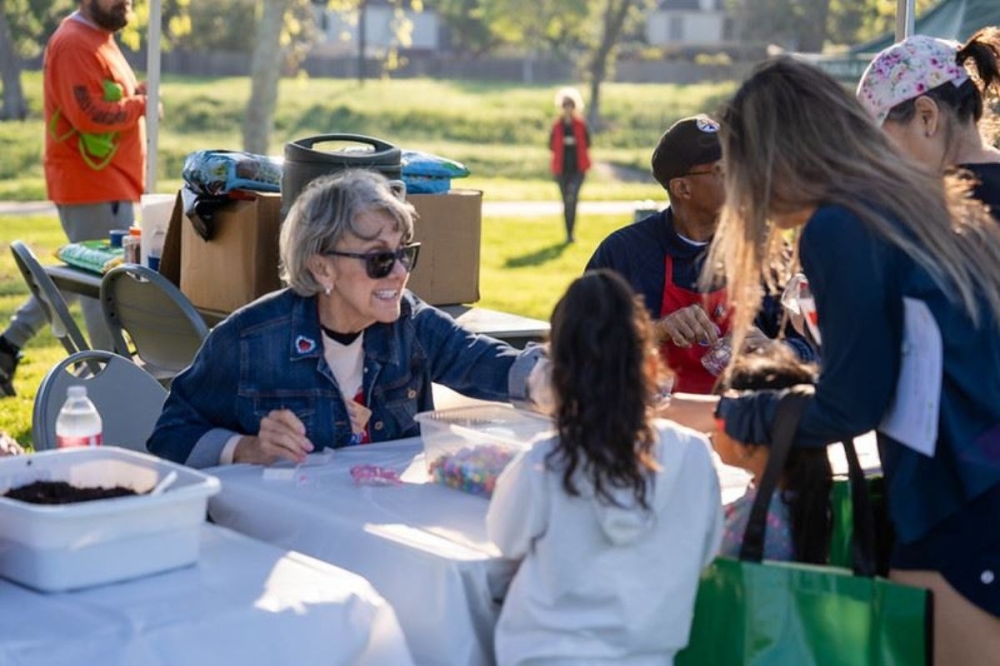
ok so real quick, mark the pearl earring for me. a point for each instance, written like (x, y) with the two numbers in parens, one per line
(327, 289)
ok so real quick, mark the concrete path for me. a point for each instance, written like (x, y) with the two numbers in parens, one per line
(27, 208)
(490, 208)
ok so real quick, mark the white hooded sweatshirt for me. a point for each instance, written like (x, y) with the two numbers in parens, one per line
(600, 584)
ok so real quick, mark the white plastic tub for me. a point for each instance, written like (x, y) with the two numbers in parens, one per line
(53, 548)
(467, 447)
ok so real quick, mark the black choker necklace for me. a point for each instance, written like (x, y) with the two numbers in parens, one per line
(343, 338)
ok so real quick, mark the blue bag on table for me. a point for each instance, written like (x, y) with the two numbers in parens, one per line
(217, 172)
(425, 173)
(213, 178)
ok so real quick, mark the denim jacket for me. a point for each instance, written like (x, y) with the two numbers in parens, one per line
(269, 355)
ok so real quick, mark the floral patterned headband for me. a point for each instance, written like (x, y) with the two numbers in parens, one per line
(906, 70)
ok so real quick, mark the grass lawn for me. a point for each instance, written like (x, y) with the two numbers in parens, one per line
(525, 267)
(499, 130)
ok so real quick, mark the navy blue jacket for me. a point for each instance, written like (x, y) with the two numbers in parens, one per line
(987, 189)
(269, 355)
(859, 281)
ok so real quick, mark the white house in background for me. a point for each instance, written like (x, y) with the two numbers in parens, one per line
(689, 23)
(339, 32)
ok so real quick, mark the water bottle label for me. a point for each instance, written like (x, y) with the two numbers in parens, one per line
(65, 442)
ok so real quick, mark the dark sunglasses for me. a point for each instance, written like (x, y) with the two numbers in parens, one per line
(380, 263)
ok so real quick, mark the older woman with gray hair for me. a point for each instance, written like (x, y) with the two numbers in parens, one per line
(343, 356)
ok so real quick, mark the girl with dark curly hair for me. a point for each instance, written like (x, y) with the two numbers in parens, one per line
(615, 514)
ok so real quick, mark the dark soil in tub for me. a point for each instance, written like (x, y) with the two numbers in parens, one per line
(60, 492)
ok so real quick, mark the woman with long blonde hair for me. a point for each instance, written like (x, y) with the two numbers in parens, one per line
(877, 235)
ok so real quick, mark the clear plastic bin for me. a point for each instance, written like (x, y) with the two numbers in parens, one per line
(467, 447)
(61, 547)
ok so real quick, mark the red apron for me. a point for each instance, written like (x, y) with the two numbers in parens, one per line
(691, 375)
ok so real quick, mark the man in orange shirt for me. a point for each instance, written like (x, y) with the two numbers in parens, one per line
(95, 150)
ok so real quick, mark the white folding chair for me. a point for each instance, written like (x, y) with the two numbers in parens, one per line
(128, 398)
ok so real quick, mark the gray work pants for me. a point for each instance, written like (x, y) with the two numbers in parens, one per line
(80, 222)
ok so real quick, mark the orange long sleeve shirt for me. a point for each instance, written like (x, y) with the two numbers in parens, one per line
(79, 59)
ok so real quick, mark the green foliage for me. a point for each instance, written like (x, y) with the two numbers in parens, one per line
(880, 18)
(847, 22)
(175, 22)
(33, 21)
(469, 32)
(223, 25)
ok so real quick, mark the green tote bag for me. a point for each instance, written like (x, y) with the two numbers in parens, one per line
(750, 612)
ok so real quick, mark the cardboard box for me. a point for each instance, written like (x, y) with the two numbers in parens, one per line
(240, 262)
(449, 228)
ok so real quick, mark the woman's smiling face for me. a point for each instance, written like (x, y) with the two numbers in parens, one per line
(356, 300)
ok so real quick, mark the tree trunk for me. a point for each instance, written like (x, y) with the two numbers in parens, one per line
(14, 106)
(265, 73)
(615, 13)
(812, 36)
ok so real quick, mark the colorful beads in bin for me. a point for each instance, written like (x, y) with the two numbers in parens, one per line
(472, 469)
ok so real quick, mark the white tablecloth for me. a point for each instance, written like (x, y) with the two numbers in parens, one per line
(244, 603)
(422, 546)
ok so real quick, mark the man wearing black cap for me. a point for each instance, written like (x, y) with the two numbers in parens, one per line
(663, 254)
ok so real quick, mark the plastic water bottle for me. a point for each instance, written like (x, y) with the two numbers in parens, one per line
(79, 423)
(156, 244)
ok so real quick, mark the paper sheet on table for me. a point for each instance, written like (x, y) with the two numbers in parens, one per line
(286, 470)
(912, 418)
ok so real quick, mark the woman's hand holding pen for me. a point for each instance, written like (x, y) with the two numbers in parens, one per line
(282, 436)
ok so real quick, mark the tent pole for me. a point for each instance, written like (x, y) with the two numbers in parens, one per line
(905, 11)
(152, 92)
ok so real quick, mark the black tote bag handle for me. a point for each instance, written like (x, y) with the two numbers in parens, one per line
(786, 423)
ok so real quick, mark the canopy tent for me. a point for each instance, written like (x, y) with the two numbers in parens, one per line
(905, 10)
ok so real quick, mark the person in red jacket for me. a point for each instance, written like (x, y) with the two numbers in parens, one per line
(569, 142)
(95, 150)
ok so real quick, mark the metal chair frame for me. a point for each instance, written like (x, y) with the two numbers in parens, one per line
(164, 330)
(53, 304)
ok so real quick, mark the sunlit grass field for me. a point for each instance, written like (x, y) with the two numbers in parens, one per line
(500, 131)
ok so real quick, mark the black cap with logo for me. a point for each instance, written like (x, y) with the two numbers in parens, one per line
(688, 142)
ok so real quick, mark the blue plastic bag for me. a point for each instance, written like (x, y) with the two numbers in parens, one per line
(425, 173)
(417, 163)
(217, 172)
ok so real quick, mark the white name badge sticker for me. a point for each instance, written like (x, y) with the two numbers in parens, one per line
(912, 418)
